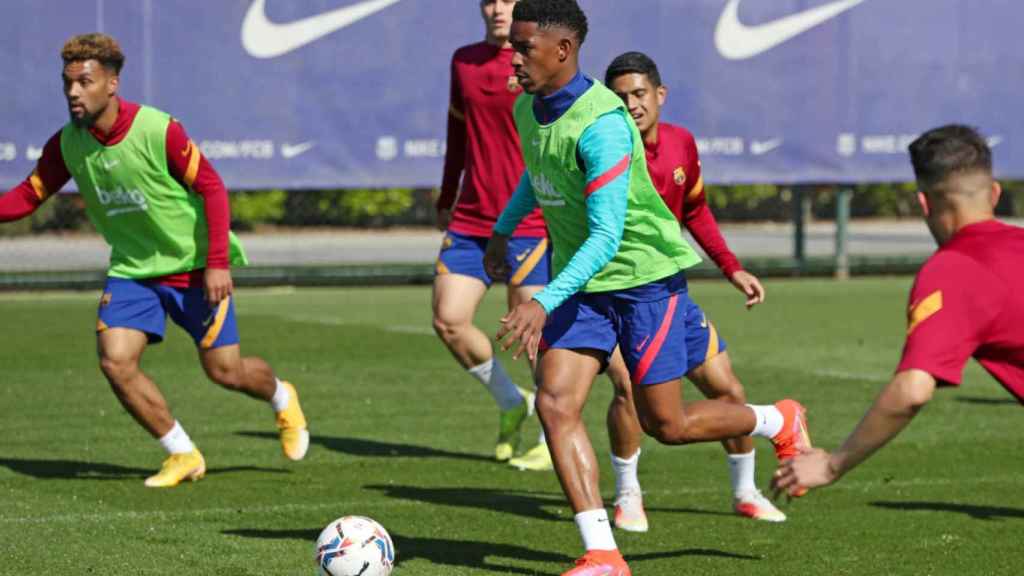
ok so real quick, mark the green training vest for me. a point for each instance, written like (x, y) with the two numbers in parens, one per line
(153, 224)
(652, 244)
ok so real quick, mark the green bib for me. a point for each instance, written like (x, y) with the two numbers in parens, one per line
(154, 225)
(652, 244)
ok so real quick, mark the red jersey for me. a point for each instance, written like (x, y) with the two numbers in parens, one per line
(675, 171)
(483, 143)
(966, 302)
(184, 162)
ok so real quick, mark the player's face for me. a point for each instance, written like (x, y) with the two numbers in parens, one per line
(497, 17)
(540, 56)
(88, 87)
(641, 98)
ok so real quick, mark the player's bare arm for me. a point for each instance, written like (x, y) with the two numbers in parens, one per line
(894, 408)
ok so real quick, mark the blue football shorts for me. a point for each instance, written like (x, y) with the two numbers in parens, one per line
(528, 257)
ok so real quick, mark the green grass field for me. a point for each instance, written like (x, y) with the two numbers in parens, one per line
(401, 435)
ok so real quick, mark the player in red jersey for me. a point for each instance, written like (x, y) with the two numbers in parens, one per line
(164, 211)
(675, 170)
(483, 149)
(966, 301)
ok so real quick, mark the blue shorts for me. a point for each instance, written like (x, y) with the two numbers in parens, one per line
(144, 306)
(662, 334)
(528, 257)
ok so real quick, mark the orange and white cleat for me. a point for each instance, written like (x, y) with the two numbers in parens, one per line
(292, 424)
(600, 563)
(177, 467)
(794, 436)
(755, 506)
(629, 511)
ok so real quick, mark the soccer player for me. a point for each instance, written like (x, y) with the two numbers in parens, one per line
(675, 171)
(618, 262)
(966, 301)
(483, 145)
(164, 211)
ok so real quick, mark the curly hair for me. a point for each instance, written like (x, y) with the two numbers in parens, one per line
(95, 46)
(547, 13)
(633, 63)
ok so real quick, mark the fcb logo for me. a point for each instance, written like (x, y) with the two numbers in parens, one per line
(679, 176)
(105, 300)
(513, 83)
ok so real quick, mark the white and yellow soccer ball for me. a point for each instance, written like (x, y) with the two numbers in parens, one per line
(354, 546)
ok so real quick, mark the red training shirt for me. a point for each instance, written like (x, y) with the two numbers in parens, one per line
(674, 167)
(967, 301)
(184, 161)
(483, 143)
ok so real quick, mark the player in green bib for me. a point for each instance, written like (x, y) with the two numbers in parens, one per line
(618, 265)
(164, 211)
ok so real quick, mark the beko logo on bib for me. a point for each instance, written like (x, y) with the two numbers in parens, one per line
(737, 41)
(262, 38)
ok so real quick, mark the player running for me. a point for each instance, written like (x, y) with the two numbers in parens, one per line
(966, 301)
(675, 171)
(618, 260)
(164, 211)
(483, 145)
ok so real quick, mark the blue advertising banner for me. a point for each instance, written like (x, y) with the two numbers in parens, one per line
(353, 93)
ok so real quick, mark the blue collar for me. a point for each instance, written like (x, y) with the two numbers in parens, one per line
(547, 109)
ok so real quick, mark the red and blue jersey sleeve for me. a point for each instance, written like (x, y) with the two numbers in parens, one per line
(49, 176)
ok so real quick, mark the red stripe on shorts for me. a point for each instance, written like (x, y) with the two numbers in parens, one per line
(659, 338)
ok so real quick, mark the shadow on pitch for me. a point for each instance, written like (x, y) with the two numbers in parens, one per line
(528, 504)
(456, 553)
(75, 470)
(986, 401)
(364, 447)
(977, 512)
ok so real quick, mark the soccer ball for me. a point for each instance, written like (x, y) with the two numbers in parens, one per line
(354, 546)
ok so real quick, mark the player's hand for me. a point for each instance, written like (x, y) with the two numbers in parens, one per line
(524, 324)
(494, 258)
(444, 218)
(809, 469)
(750, 286)
(217, 285)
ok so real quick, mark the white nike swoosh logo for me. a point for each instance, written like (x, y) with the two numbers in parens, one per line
(994, 141)
(758, 148)
(293, 150)
(737, 41)
(262, 38)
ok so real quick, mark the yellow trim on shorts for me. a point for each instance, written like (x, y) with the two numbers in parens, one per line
(530, 263)
(218, 323)
(440, 268)
(712, 343)
(101, 325)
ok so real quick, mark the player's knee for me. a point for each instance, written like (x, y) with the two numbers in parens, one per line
(118, 370)
(230, 377)
(556, 410)
(446, 329)
(671, 431)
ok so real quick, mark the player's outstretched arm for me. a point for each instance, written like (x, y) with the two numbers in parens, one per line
(894, 408)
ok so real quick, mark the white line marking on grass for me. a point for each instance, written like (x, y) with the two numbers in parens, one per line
(415, 329)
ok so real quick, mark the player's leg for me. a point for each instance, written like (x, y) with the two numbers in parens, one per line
(131, 316)
(529, 259)
(215, 332)
(625, 436)
(459, 285)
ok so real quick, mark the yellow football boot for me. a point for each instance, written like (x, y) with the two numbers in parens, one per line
(292, 424)
(178, 467)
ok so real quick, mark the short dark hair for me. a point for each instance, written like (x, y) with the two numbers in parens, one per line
(96, 46)
(547, 13)
(632, 63)
(947, 151)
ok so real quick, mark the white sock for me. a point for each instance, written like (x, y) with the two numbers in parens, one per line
(497, 382)
(741, 472)
(625, 472)
(281, 396)
(596, 530)
(769, 421)
(541, 438)
(177, 441)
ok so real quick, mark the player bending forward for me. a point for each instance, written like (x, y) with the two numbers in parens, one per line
(164, 211)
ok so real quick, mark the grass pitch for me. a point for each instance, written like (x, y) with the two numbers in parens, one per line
(400, 434)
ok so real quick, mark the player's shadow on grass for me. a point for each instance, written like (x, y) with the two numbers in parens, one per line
(527, 504)
(75, 470)
(974, 511)
(364, 447)
(455, 553)
(986, 401)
